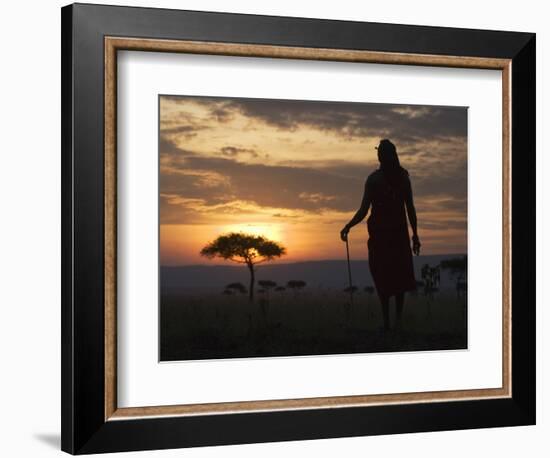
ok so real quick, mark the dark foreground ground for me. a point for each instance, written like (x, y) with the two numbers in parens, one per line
(202, 326)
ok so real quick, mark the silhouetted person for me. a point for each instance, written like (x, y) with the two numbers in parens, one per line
(388, 191)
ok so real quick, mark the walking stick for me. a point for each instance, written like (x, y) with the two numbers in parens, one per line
(349, 273)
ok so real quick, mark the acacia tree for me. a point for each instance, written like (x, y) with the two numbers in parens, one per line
(247, 249)
(236, 287)
(457, 266)
(268, 285)
(296, 285)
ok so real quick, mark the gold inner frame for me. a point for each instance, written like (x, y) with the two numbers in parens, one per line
(114, 44)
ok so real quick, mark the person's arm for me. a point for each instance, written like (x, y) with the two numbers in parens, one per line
(359, 215)
(411, 213)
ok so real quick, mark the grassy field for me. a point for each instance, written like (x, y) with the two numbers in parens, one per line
(200, 325)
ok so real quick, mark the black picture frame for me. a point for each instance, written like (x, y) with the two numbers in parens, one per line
(84, 427)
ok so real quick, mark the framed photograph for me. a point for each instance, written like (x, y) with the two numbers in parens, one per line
(283, 228)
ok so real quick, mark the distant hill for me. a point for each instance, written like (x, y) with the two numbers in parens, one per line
(317, 274)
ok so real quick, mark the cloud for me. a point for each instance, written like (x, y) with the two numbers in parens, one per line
(397, 122)
(233, 151)
(312, 188)
(402, 123)
(185, 130)
(411, 111)
(266, 185)
(316, 197)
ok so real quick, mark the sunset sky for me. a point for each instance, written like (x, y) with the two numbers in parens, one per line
(294, 171)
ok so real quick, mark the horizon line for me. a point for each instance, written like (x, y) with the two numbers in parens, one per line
(230, 264)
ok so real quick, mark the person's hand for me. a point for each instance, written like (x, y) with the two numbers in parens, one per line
(344, 234)
(416, 245)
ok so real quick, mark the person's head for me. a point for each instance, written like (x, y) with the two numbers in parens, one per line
(387, 155)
